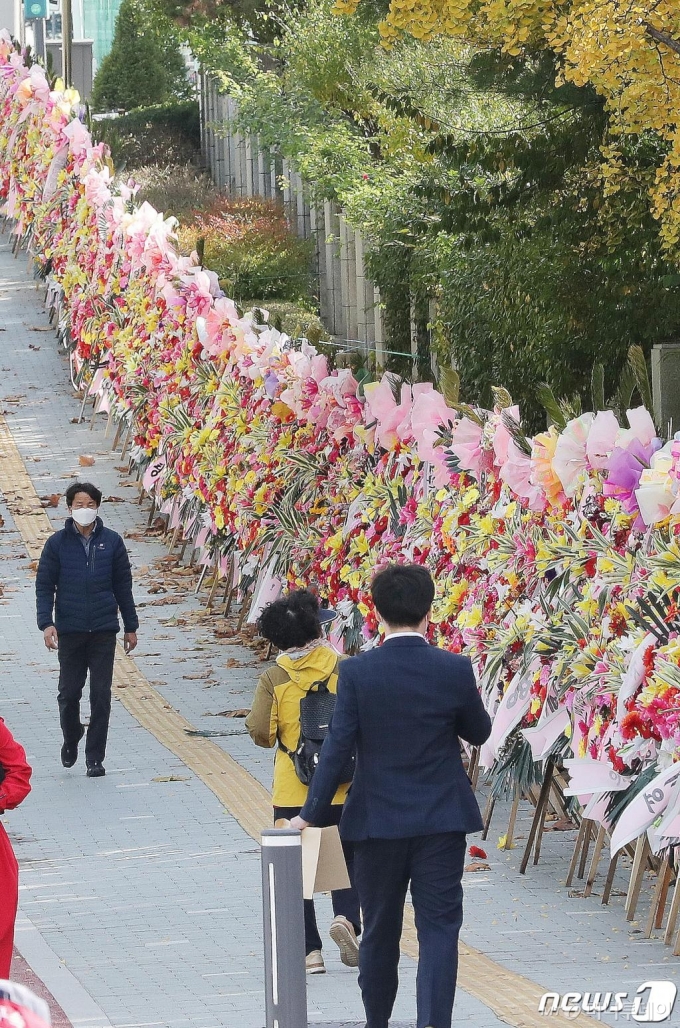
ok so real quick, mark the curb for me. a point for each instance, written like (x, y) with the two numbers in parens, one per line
(43, 971)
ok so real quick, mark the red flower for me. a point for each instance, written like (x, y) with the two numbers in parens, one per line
(632, 725)
(475, 851)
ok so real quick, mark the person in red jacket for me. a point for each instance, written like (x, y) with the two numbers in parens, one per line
(15, 776)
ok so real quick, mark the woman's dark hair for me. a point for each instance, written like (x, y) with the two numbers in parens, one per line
(83, 487)
(292, 621)
(403, 594)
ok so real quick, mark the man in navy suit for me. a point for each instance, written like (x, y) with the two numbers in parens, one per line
(403, 708)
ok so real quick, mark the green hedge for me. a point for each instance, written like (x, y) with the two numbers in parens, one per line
(163, 134)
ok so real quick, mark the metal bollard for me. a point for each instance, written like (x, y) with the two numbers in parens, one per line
(284, 929)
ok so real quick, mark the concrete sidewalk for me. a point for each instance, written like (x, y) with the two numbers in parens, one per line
(140, 902)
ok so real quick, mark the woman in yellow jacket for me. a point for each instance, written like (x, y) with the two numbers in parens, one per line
(293, 625)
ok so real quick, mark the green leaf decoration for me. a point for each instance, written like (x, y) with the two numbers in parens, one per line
(449, 383)
(621, 400)
(466, 411)
(547, 400)
(515, 429)
(501, 397)
(638, 364)
(597, 387)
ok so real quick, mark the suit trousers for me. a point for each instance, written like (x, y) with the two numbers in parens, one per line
(80, 652)
(383, 870)
(345, 901)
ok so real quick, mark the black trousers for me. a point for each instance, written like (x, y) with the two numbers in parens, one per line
(80, 652)
(345, 901)
(383, 869)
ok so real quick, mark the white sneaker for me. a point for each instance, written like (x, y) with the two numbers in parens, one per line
(314, 962)
(343, 935)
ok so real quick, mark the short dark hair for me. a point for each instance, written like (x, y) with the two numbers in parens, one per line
(83, 487)
(292, 621)
(403, 594)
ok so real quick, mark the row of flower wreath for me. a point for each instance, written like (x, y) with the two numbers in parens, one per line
(555, 557)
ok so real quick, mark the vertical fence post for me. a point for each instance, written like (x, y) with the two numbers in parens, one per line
(284, 929)
(380, 350)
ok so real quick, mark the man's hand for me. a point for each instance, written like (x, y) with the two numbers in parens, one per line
(297, 822)
(51, 638)
(129, 641)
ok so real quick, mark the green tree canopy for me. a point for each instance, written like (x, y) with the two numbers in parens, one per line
(145, 65)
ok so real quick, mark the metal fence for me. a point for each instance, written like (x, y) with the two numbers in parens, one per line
(349, 302)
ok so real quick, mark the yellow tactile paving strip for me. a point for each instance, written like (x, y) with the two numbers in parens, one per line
(513, 998)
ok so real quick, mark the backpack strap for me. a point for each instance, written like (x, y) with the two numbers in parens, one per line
(322, 686)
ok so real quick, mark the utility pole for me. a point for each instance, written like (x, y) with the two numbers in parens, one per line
(39, 40)
(67, 43)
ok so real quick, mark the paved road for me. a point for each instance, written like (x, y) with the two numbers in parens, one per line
(140, 901)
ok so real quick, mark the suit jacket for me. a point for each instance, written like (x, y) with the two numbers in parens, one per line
(402, 708)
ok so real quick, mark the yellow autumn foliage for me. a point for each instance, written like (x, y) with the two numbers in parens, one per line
(627, 50)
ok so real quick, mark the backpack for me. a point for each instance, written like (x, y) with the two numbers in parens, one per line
(316, 709)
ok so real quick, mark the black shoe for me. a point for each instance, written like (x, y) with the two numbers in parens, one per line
(95, 770)
(69, 754)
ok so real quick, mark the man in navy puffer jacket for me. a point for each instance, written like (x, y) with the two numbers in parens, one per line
(86, 566)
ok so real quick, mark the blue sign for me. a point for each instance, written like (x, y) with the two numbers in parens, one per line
(35, 9)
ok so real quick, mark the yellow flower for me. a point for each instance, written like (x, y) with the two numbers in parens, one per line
(469, 618)
(360, 543)
(334, 543)
(486, 525)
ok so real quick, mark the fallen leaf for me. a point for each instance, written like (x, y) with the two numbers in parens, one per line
(477, 865)
(157, 589)
(196, 676)
(232, 662)
(214, 735)
(562, 825)
(171, 778)
(50, 501)
(39, 328)
(86, 460)
(114, 499)
(242, 712)
(32, 347)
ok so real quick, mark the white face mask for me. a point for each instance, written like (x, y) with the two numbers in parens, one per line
(84, 516)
